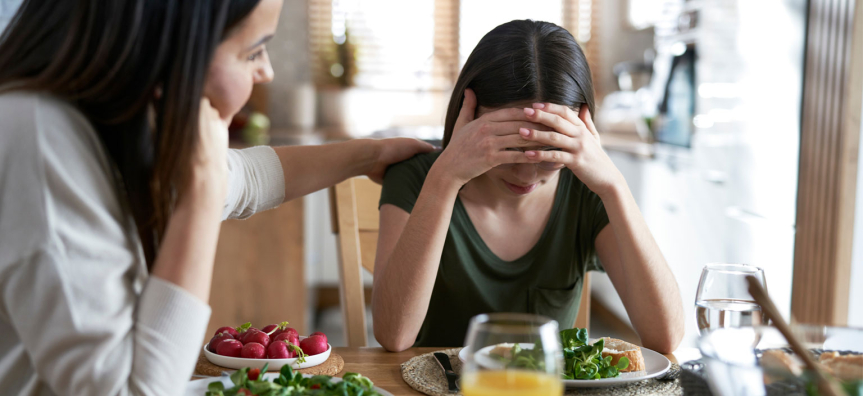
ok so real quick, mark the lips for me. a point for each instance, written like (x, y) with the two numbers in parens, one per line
(521, 190)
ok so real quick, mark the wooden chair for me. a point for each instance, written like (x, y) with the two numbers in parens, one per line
(355, 220)
(583, 318)
(355, 216)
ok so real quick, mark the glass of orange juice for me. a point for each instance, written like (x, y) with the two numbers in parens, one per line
(512, 354)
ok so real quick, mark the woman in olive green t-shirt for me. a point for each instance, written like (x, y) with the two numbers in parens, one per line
(517, 207)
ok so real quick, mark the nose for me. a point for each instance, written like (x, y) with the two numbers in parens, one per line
(524, 172)
(264, 73)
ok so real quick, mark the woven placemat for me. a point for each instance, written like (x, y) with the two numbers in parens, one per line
(424, 375)
(332, 366)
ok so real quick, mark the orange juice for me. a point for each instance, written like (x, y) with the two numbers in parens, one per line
(511, 382)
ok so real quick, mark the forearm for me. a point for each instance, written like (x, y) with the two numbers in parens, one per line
(188, 248)
(310, 168)
(651, 294)
(404, 284)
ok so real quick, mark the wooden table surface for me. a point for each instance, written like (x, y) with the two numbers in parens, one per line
(383, 367)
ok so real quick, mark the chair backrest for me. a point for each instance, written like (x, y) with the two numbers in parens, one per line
(583, 318)
(355, 218)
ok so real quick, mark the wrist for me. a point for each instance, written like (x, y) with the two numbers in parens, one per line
(364, 154)
(442, 180)
(616, 193)
(204, 193)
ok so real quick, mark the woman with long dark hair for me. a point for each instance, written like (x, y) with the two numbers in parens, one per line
(115, 176)
(517, 207)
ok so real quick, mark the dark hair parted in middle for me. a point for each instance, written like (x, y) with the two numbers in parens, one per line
(519, 61)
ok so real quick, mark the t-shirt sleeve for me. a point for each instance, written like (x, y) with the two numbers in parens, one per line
(597, 221)
(404, 181)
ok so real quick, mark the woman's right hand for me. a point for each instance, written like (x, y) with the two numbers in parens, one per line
(208, 160)
(479, 144)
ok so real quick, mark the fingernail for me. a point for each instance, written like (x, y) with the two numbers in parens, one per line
(539, 105)
(529, 112)
(524, 132)
(530, 153)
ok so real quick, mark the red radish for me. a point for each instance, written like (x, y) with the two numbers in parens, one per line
(253, 350)
(279, 329)
(314, 345)
(217, 339)
(230, 330)
(257, 336)
(245, 392)
(231, 348)
(287, 337)
(243, 329)
(318, 333)
(268, 328)
(279, 350)
(285, 350)
(254, 374)
(291, 330)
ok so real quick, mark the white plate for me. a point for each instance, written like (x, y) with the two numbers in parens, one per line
(199, 387)
(275, 364)
(655, 365)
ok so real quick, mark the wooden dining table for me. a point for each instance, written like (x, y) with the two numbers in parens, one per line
(384, 368)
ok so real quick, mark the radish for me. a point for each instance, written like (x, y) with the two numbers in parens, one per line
(253, 350)
(269, 328)
(231, 348)
(243, 330)
(318, 333)
(230, 330)
(287, 337)
(278, 329)
(314, 345)
(217, 339)
(285, 350)
(287, 330)
(256, 336)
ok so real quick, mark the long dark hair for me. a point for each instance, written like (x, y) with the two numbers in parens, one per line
(108, 58)
(520, 61)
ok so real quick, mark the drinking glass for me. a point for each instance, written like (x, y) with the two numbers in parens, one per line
(535, 370)
(723, 300)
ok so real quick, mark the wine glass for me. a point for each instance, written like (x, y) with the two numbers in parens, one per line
(512, 354)
(723, 300)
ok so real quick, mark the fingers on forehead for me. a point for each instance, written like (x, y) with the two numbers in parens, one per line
(564, 111)
(508, 114)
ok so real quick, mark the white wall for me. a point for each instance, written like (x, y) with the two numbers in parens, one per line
(855, 308)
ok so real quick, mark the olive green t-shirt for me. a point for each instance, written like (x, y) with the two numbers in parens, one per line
(472, 280)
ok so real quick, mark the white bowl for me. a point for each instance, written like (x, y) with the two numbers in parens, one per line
(275, 364)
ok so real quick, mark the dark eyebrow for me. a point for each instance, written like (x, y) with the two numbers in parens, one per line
(261, 41)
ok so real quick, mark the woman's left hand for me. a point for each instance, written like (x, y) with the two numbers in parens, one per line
(577, 137)
(393, 150)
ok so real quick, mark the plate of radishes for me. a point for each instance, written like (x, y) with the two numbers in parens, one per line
(276, 345)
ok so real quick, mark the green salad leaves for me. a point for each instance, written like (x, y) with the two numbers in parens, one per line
(290, 383)
(582, 361)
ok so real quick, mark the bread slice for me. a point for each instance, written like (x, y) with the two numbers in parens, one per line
(619, 348)
(844, 367)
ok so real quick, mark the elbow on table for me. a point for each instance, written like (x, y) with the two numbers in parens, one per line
(666, 341)
(391, 342)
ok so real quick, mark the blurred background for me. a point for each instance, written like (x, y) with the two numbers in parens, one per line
(700, 105)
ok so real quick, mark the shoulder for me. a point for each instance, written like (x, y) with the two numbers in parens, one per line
(404, 181)
(418, 165)
(32, 121)
(55, 171)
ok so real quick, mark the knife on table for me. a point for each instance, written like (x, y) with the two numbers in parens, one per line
(451, 376)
